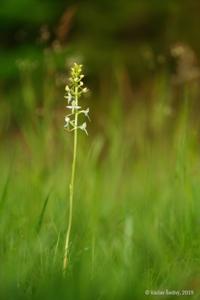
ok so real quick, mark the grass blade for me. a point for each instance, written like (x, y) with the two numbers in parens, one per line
(41, 217)
(5, 191)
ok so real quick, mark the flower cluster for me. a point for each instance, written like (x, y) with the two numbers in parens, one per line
(74, 91)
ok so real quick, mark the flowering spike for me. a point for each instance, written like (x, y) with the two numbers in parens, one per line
(74, 89)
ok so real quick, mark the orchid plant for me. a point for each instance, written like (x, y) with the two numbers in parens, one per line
(74, 91)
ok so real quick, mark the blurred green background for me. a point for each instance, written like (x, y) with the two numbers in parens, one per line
(136, 210)
(124, 46)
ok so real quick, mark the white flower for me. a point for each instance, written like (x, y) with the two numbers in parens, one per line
(86, 112)
(68, 97)
(67, 121)
(83, 127)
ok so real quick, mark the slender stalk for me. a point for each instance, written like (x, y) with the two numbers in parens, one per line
(74, 90)
(71, 188)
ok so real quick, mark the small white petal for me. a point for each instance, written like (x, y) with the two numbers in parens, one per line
(67, 89)
(73, 107)
(69, 98)
(67, 119)
(85, 90)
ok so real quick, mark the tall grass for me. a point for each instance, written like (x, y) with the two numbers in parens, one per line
(136, 224)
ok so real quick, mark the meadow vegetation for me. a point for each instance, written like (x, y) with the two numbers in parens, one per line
(136, 197)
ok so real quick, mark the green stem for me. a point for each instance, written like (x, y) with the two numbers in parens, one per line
(71, 189)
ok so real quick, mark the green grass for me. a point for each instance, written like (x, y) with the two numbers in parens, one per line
(136, 211)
